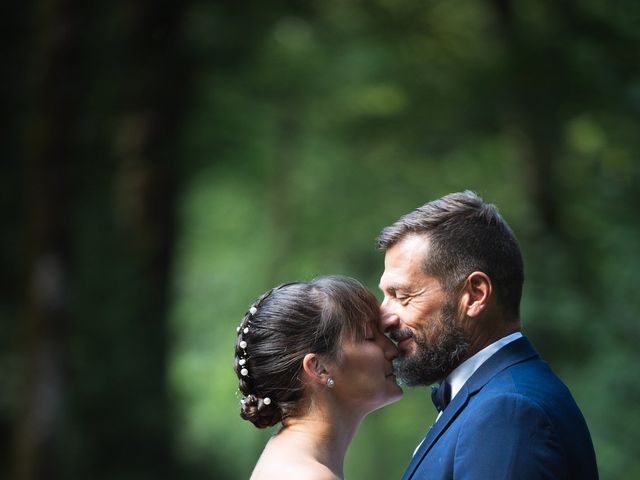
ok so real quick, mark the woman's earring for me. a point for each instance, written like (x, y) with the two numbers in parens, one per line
(331, 382)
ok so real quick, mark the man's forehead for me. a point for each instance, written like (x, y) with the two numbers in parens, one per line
(403, 263)
(393, 279)
(400, 277)
(410, 249)
(407, 253)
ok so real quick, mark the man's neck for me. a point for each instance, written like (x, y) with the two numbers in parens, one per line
(484, 338)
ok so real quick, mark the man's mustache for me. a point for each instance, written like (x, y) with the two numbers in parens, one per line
(400, 334)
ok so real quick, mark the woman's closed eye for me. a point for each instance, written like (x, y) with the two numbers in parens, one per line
(369, 332)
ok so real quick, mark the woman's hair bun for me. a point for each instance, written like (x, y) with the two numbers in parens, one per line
(261, 412)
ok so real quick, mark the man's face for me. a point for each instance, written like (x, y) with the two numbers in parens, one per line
(419, 315)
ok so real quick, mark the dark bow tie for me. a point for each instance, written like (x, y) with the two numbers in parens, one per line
(441, 395)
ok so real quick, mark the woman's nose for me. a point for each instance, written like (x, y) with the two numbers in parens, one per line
(390, 350)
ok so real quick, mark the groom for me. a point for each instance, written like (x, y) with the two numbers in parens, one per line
(452, 284)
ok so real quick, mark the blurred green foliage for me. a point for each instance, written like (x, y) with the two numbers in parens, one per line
(297, 132)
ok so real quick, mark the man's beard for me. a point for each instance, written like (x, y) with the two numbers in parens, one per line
(433, 360)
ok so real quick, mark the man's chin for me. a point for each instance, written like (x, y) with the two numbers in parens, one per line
(412, 371)
(408, 372)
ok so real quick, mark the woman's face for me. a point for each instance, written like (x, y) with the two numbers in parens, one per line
(364, 378)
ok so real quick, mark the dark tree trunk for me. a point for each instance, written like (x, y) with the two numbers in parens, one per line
(533, 111)
(53, 83)
(100, 228)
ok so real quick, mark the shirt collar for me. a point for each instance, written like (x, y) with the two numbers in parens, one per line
(463, 372)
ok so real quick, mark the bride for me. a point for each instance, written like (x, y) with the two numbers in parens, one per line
(310, 356)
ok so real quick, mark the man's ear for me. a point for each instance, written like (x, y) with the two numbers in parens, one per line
(476, 293)
(316, 368)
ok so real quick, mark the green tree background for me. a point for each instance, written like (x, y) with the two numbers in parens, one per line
(166, 162)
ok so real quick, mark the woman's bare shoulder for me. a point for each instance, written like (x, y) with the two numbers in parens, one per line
(286, 458)
(271, 468)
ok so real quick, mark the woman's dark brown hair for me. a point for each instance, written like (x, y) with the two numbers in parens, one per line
(281, 327)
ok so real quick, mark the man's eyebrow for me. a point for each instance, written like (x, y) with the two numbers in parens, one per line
(391, 288)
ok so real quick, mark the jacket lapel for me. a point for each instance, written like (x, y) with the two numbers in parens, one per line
(436, 430)
(515, 352)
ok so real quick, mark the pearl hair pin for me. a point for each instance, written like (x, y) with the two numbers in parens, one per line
(242, 361)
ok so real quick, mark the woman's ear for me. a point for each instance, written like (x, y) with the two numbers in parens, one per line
(476, 293)
(315, 366)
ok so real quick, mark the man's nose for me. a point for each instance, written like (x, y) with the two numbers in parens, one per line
(388, 318)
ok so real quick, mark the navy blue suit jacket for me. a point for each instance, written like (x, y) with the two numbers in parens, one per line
(513, 419)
